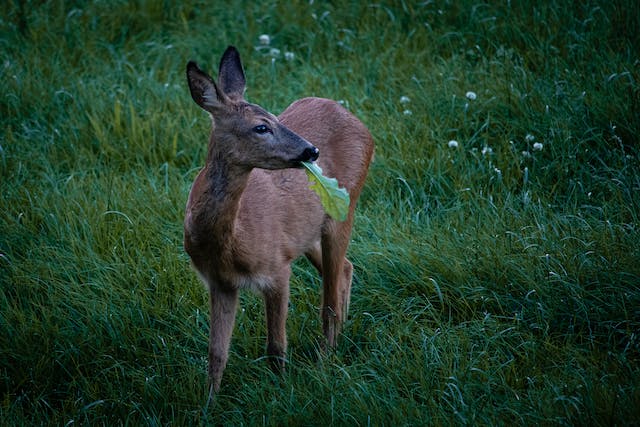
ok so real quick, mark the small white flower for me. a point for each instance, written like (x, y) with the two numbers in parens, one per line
(487, 150)
(537, 146)
(404, 100)
(529, 138)
(471, 95)
(274, 52)
(407, 112)
(264, 39)
(289, 56)
(453, 144)
(526, 154)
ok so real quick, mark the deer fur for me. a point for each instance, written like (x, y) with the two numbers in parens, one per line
(250, 212)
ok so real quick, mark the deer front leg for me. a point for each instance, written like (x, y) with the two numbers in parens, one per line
(276, 306)
(223, 313)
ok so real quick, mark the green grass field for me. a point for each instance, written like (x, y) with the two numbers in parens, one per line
(496, 282)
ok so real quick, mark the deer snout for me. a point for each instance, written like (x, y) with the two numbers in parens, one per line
(310, 154)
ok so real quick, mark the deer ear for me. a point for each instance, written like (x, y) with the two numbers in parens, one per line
(203, 90)
(231, 76)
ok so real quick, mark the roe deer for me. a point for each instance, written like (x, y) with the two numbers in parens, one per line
(250, 211)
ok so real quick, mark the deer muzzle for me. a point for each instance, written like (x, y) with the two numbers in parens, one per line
(310, 154)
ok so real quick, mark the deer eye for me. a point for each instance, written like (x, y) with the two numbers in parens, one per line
(261, 129)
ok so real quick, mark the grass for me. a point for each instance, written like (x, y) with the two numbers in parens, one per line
(496, 283)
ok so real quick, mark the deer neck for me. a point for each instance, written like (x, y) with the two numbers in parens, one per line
(225, 183)
(215, 210)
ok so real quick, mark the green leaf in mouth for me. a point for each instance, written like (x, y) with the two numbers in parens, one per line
(334, 200)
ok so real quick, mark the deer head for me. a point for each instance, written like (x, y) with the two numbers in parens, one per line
(247, 135)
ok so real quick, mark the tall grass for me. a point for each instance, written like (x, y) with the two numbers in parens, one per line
(496, 282)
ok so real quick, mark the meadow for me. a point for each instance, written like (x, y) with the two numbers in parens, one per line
(496, 243)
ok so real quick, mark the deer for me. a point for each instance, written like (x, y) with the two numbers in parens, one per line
(250, 212)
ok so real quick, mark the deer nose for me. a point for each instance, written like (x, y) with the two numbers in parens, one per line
(310, 154)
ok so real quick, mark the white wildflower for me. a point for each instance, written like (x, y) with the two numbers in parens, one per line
(471, 95)
(453, 144)
(529, 138)
(404, 100)
(264, 39)
(289, 56)
(487, 150)
(537, 146)
(407, 112)
(273, 52)
(526, 154)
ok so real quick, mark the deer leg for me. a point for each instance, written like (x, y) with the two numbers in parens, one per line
(336, 287)
(346, 288)
(315, 257)
(276, 306)
(223, 314)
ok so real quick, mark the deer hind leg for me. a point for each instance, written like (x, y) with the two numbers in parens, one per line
(347, 277)
(315, 257)
(336, 278)
(276, 306)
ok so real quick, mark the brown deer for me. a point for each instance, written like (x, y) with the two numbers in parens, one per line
(250, 211)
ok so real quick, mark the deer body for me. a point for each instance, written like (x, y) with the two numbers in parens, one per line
(250, 211)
